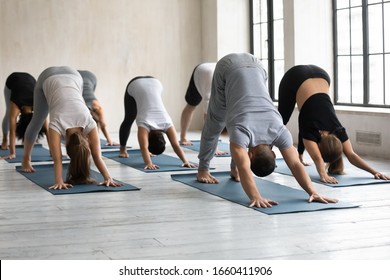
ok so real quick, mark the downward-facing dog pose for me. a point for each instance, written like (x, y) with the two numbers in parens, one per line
(143, 103)
(19, 96)
(198, 90)
(93, 104)
(58, 92)
(240, 100)
(320, 131)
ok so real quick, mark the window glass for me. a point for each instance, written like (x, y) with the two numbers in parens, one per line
(376, 85)
(362, 46)
(343, 29)
(356, 31)
(375, 42)
(344, 79)
(268, 39)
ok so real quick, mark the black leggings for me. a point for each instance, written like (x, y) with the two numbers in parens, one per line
(130, 115)
(290, 84)
(193, 97)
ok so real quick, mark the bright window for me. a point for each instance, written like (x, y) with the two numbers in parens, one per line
(362, 52)
(268, 39)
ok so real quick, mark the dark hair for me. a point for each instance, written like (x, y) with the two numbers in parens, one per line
(156, 142)
(331, 150)
(21, 126)
(262, 161)
(79, 171)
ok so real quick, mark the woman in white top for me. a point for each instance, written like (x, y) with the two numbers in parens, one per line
(198, 90)
(143, 103)
(58, 92)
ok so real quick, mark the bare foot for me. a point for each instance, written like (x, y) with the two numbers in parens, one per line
(205, 177)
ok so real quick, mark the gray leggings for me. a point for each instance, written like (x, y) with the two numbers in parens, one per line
(7, 97)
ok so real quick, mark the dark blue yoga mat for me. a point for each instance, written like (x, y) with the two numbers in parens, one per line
(225, 147)
(351, 178)
(103, 145)
(39, 153)
(135, 160)
(44, 177)
(290, 200)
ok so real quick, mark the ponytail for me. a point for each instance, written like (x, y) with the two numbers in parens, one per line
(331, 150)
(79, 171)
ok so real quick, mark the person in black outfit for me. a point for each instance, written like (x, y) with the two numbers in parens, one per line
(320, 131)
(18, 95)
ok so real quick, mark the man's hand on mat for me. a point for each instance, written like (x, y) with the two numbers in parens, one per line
(381, 176)
(318, 198)
(220, 153)
(262, 202)
(110, 183)
(152, 166)
(185, 142)
(10, 156)
(329, 179)
(204, 176)
(61, 186)
(189, 165)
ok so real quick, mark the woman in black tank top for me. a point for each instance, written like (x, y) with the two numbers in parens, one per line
(320, 131)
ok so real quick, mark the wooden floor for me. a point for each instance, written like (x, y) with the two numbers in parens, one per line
(168, 220)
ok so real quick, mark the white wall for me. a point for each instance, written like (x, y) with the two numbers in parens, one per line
(209, 30)
(116, 39)
(225, 28)
(233, 27)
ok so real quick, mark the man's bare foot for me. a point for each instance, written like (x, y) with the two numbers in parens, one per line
(206, 177)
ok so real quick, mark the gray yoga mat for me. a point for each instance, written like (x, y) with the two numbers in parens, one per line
(290, 200)
(44, 177)
(135, 160)
(221, 146)
(39, 153)
(355, 178)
